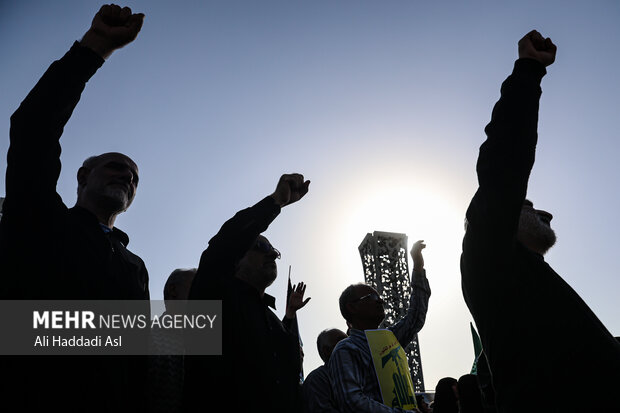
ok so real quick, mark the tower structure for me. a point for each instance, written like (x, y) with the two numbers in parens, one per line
(384, 259)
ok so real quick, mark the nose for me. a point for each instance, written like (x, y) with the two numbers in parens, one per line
(544, 215)
(127, 176)
(274, 253)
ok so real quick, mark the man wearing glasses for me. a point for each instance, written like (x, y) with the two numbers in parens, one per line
(261, 361)
(351, 370)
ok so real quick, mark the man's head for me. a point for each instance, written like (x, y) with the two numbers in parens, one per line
(361, 306)
(107, 183)
(327, 340)
(177, 288)
(258, 266)
(535, 228)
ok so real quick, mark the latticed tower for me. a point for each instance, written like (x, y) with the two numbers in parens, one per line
(384, 258)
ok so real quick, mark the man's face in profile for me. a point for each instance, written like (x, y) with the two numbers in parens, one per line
(368, 305)
(258, 265)
(112, 181)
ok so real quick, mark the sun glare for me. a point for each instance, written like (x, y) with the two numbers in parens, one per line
(420, 213)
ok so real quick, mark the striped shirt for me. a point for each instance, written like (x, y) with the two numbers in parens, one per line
(351, 370)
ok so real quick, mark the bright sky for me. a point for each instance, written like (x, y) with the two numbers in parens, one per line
(381, 105)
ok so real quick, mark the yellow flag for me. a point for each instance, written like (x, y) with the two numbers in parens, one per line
(392, 369)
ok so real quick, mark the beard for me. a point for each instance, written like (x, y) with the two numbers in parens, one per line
(534, 233)
(115, 197)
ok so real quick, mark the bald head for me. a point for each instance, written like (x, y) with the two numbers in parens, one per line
(107, 185)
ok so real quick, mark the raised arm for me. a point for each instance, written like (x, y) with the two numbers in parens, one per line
(238, 234)
(507, 156)
(414, 320)
(33, 161)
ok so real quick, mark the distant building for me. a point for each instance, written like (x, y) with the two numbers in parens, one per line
(384, 258)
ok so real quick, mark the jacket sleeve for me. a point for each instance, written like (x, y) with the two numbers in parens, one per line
(412, 323)
(229, 245)
(504, 164)
(33, 161)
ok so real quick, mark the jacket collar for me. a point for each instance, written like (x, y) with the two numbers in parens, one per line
(88, 218)
(269, 300)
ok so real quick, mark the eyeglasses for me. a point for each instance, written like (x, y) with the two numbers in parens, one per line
(266, 247)
(371, 296)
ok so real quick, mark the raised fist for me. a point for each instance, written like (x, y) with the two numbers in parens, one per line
(112, 28)
(534, 46)
(416, 255)
(291, 188)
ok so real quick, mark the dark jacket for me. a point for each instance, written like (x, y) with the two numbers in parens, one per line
(48, 251)
(541, 339)
(261, 361)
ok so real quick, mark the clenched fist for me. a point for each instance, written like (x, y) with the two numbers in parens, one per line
(416, 255)
(291, 188)
(534, 46)
(112, 28)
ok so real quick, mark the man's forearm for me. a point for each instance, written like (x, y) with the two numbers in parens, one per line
(507, 156)
(38, 123)
(231, 243)
(238, 233)
(415, 318)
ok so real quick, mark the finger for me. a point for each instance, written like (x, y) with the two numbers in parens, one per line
(305, 301)
(134, 24)
(124, 14)
(535, 36)
(527, 37)
(297, 177)
(110, 11)
(110, 15)
(305, 187)
(295, 180)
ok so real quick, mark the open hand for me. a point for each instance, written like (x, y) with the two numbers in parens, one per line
(296, 300)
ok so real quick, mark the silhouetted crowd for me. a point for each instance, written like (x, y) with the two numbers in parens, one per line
(538, 336)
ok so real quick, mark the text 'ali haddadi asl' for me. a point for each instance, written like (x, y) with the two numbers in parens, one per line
(75, 341)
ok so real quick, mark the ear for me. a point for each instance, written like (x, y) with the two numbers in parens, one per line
(350, 307)
(82, 176)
